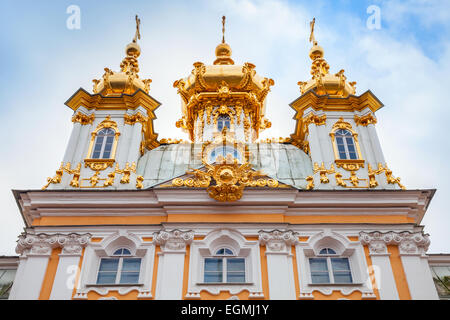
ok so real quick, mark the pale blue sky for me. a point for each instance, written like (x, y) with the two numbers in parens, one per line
(406, 65)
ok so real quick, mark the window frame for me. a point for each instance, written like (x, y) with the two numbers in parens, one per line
(105, 124)
(121, 257)
(330, 270)
(345, 144)
(225, 258)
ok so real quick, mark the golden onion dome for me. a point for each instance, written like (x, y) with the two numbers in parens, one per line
(125, 81)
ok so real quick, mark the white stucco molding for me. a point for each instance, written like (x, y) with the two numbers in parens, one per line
(97, 250)
(243, 248)
(42, 244)
(173, 241)
(409, 243)
(277, 241)
(353, 250)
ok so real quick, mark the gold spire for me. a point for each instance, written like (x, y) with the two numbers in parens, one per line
(223, 50)
(322, 82)
(127, 80)
(223, 29)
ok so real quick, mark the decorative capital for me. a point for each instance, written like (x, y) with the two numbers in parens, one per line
(277, 240)
(175, 240)
(83, 119)
(408, 243)
(42, 244)
(71, 244)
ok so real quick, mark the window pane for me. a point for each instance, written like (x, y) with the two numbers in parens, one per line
(109, 265)
(129, 277)
(318, 264)
(118, 252)
(133, 264)
(340, 264)
(351, 147)
(212, 264)
(353, 155)
(342, 277)
(106, 277)
(220, 252)
(320, 278)
(236, 277)
(213, 277)
(236, 265)
(228, 252)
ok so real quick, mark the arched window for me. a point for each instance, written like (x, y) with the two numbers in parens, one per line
(328, 267)
(120, 268)
(103, 144)
(223, 121)
(224, 267)
(345, 145)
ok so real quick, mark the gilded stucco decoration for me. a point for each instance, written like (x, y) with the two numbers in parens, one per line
(83, 119)
(224, 88)
(225, 176)
(365, 120)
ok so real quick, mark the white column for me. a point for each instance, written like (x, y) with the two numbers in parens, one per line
(36, 249)
(279, 263)
(169, 285)
(17, 282)
(70, 151)
(135, 143)
(418, 276)
(378, 153)
(69, 258)
(381, 263)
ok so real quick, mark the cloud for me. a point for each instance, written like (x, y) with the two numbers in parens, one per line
(44, 72)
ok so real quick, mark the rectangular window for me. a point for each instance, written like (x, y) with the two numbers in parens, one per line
(119, 270)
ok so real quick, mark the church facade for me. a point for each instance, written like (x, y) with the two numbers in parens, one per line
(224, 215)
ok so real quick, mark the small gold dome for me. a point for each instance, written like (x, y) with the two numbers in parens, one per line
(133, 50)
(223, 54)
(316, 52)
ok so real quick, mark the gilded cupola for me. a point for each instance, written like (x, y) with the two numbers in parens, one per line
(323, 82)
(223, 95)
(127, 79)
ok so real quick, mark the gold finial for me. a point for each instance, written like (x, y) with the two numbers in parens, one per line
(138, 33)
(223, 29)
(311, 37)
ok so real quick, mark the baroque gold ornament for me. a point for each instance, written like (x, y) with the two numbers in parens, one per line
(229, 177)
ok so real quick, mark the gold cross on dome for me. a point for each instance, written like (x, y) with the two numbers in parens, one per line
(138, 33)
(223, 29)
(311, 37)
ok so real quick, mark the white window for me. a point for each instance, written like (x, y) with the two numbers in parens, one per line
(328, 267)
(121, 268)
(345, 145)
(103, 144)
(224, 267)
